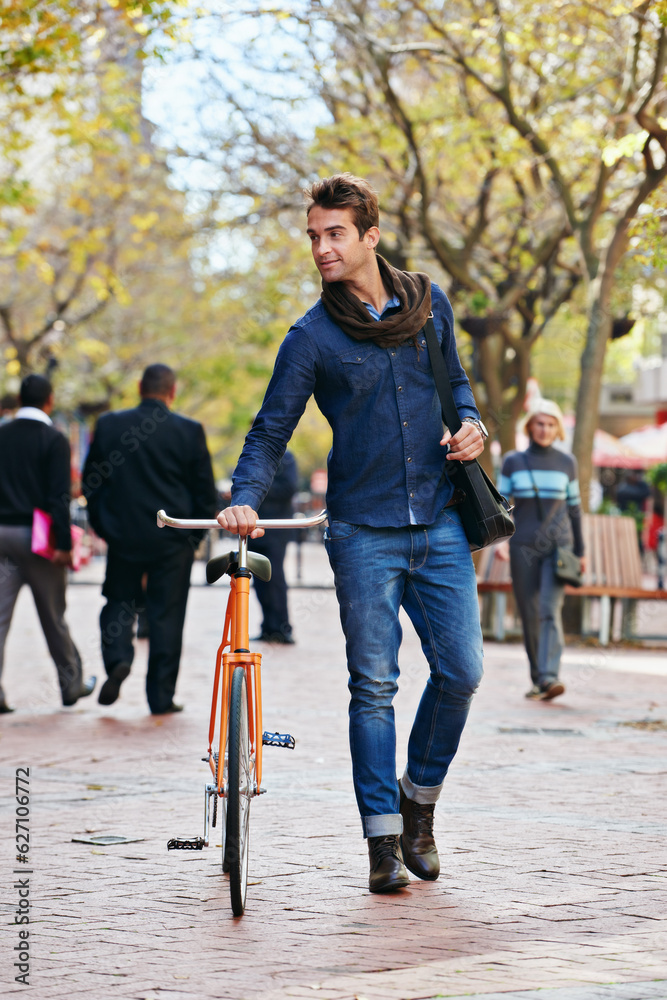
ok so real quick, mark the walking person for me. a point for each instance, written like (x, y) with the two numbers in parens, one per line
(140, 461)
(543, 482)
(395, 538)
(35, 473)
(272, 596)
(9, 404)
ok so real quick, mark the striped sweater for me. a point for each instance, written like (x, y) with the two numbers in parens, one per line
(554, 473)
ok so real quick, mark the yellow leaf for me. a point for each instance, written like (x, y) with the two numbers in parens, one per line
(144, 222)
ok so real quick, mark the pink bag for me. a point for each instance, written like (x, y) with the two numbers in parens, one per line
(43, 541)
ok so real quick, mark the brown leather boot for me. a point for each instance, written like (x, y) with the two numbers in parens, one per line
(419, 851)
(387, 869)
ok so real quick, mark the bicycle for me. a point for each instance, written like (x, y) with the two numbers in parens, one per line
(234, 752)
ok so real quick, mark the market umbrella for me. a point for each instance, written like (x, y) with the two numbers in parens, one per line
(610, 452)
(649, 442)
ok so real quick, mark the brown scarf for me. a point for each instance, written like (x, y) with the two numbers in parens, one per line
(413, 290)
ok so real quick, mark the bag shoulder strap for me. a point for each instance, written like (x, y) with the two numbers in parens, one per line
(538, 500)
(451, 415)
(441, 378)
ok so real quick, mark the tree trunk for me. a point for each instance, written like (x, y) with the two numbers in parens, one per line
(590, 384)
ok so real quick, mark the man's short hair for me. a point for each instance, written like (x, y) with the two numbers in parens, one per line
(157, 380)
(35, 390)
(9, 401)
(346, 191)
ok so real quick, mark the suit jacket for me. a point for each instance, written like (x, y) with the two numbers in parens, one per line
(140, 461)
(35, 472)
(278, 501)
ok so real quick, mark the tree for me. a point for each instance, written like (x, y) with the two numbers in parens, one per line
(513, 145)
(81, 186)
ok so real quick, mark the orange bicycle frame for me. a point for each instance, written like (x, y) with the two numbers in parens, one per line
(236, 636)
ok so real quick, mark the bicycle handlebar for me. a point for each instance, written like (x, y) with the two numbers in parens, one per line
(163, 520)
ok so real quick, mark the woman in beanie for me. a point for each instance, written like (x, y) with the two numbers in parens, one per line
(543, 483)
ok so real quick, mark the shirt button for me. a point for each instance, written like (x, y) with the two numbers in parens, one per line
(412, 494)
(409, 460)
(358, 359)
(400, 388)
(405, 423)
(393, 354)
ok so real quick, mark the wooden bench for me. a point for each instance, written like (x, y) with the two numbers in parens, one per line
(613, 572)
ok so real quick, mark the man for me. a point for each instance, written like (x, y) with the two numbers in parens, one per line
(272, 596)
(394, 537)
(35, 472)
(9, 404)
(140, 461)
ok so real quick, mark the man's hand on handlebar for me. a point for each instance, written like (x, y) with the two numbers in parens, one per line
(240, 521)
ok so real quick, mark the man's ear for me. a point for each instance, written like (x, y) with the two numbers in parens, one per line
(372, 237)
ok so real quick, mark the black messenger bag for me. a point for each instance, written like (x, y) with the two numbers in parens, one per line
(485, 513)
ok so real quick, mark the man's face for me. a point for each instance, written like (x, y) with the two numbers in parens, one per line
(543, 429)
(338, 252)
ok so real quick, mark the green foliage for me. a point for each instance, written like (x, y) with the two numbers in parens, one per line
(86, 213)
(657, 477)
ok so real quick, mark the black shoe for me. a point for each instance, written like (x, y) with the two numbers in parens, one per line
(387, 869)
(4, 708)
(419, 851)
(111, 688)
(87, 687)
(170, 710)
(276, 638)
(552, 690)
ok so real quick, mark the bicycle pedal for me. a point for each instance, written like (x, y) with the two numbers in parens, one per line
(185, 844)
(278, 740)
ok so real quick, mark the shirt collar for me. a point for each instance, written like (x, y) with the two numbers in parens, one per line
(33, 413)
(391, 304)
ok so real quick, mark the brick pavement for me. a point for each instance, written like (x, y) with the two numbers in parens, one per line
(551, 831)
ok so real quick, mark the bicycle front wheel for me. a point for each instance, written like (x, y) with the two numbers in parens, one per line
(240, 789)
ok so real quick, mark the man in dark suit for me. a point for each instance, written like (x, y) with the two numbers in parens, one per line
(35, 472)
(140, 461)
(272, 596)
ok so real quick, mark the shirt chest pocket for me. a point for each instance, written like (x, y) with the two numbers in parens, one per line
(360, 368)
(421, 359)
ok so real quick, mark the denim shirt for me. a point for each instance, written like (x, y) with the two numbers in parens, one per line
(386, 459)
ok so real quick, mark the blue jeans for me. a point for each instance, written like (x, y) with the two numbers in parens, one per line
(429, 572)
(539, 597)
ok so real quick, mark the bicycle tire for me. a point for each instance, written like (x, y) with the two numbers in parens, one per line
(220, 807)
(240, 790)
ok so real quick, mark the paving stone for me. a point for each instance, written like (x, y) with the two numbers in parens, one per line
(550, 828)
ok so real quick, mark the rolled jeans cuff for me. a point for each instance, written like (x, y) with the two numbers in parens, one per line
(382, 826)
(425, 795)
